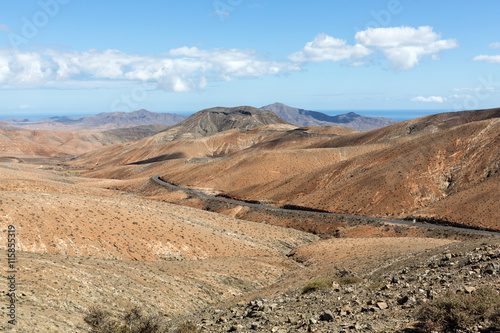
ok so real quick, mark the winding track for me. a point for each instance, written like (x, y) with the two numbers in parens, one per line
(395, 222)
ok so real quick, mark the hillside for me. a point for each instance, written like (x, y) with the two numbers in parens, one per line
(402, 170)
(79, 245)
(100, 122)
(301, 117)
(94, 229)
(4, 125)
(28, 143)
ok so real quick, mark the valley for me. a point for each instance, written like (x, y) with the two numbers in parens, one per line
(96, 225)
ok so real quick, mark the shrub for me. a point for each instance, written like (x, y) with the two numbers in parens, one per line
(134, 321)
(327, 283)
(188, 328)
(100, 321)
(347, 280)
(460, 311)
(376, 285)
(317, 285)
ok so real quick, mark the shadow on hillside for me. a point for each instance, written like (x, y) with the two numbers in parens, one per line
(160, 158)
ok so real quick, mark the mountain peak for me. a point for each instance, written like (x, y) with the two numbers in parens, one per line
(218, 119)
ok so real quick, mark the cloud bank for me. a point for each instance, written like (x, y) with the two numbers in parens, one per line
(182, 70)
(190, 68)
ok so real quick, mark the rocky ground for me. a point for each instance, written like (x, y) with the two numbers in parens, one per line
(384, 302)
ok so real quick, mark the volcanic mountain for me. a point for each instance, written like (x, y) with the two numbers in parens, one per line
(214, 120)
(99, 122)
(303, 117)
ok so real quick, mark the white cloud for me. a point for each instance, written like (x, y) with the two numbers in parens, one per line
(328, 48)
(403, 46)
(430, 99)
(493, 59)
(183, 69)
(4, 27)
(24, 106)
(495, 45)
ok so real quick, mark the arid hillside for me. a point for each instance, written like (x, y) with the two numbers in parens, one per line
(79, 245)
(94, 229)
(26, 143)
(408, 169)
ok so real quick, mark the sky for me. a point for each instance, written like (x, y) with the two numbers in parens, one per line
(75, 57)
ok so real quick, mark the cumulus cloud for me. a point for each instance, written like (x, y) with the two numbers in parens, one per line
(495, 45)
(430, 99)
(492, 59)
(182, 70)
(404, 47)
(328, 48)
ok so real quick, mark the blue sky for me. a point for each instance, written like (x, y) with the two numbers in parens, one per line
(85, 57)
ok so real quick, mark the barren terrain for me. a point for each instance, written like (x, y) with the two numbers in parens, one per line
(411, 169)
(94, 229)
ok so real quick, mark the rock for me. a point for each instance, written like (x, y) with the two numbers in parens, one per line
(327, 316)
(313, 321)
(469, 290)
(254, 326)
(382, 305)
(491, 268)
(403, 300)
(395, 279)
(345, 310)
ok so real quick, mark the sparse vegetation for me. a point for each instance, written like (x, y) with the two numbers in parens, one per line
(452, 312)
(188, 327)
(347, 280)
(317, 285)
(321, 284)
(134, 321)
(376, 285)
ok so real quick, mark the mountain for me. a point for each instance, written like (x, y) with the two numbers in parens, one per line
(303, 117)
(7, 126)
(443, 167)
(100, 122)
(214, 120)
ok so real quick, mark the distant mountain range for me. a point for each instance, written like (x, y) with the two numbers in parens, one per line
(202, 123)
(301, 117)
(99, 122)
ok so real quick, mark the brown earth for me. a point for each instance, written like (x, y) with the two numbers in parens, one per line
(96, 231)
(27, 143)
(410, 169)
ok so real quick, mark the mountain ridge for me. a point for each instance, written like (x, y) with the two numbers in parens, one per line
(302, 117)
(100, 122)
